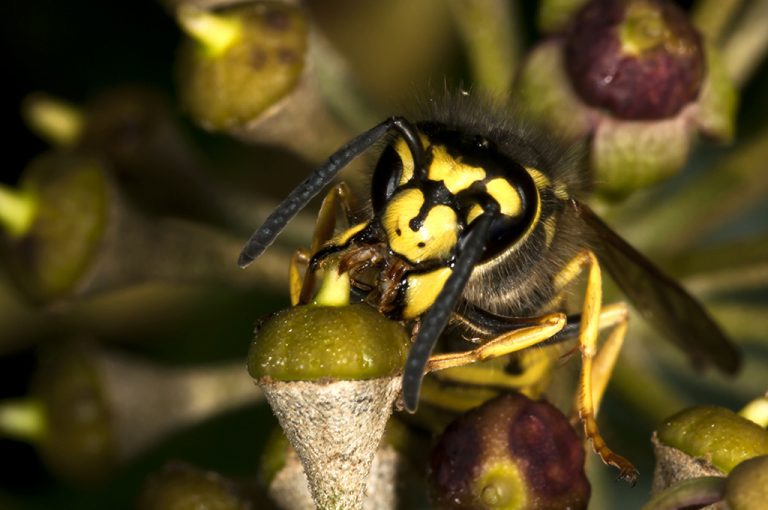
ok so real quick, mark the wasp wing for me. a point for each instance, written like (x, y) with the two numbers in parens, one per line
(658, 298)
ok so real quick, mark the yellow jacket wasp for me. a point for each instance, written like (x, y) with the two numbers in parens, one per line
(474, 220)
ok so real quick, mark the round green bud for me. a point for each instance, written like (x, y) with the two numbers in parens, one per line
(259, 62)
(747, 485)
(50, 258)
(79, 444)
(716, 434)
(313, 342)
(182, 487)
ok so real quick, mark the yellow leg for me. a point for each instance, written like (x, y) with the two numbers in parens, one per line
(615, 316)
(588, 333)
(503, 344)
(295, 279)
(325, 226)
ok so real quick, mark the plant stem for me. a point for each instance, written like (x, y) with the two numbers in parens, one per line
(713, 16)
(747, 43)
(149, 401)
(490, 36)
(674, 224)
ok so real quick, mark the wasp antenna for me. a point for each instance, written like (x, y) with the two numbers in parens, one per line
(312, 185)
(436, 318)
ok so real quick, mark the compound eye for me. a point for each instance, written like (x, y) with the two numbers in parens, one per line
(505, 231)
(386, 177)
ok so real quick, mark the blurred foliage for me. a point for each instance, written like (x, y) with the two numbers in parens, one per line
(715, 209)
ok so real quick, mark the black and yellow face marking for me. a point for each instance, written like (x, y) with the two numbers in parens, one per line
(416, 235)
(461, 175)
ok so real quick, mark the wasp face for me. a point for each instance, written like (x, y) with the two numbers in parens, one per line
(425, 212)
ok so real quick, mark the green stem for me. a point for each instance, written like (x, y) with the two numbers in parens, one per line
(731, 187)
(747, 42)
(696, 491)
(23, 419)
(339, 86)
(491, 40)
(712, 17)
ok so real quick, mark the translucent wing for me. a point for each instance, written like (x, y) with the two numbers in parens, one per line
(659, 298)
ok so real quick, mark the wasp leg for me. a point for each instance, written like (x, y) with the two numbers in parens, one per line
(588, 334)
(512, 341)
(299, 260)
(616, 317)
(338, 197)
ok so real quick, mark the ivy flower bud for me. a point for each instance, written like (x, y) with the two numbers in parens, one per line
(180, 486)
(91, 411)
(747, 485)
(240, 61)
(510, 453)
(643, 60)
(704, 441)
(331, 373)
(637, 80)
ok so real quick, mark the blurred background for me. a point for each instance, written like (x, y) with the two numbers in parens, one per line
(152, 180)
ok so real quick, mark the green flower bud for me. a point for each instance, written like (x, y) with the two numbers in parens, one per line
(509, 453)
(53, 252)
(80, 443)
(182, 487)
(331, 373)
(81, 236)
(714, 433)
(747, 485)
(92, 410)
(242, 60)
(312, 342)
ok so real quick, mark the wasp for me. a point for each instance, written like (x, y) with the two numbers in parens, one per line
(476, 220)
